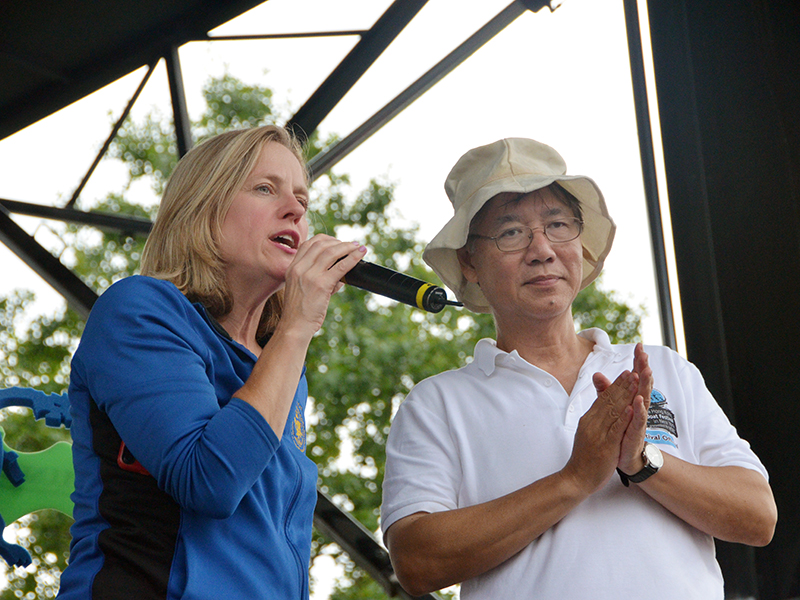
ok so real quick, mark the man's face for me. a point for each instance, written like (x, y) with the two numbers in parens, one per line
(539, 281)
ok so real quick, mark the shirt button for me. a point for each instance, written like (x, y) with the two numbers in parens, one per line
(548, 382)
(571, 408)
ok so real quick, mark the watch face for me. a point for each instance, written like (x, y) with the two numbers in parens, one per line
(654, 456)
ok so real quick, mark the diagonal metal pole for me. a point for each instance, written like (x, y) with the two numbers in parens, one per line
(79, 296)
(329, 157)
(361, 546)
(76, 194)
(349, 71)
(280, 36)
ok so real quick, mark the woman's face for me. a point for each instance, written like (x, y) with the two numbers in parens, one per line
(266, 221)
(540, 281)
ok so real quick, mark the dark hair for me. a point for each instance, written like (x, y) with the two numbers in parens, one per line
(561, 194)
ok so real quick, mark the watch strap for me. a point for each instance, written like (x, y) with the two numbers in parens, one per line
(639, 477)
(647, 470)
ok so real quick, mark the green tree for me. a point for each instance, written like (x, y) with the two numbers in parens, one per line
(362, 363)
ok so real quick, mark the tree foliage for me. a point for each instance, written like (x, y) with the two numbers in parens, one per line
(364, 360)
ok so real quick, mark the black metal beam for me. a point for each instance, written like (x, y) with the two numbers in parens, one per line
(646, 151)
(329, 157)
(281, 36)
(79, 296)
(129, 224)
(114, 39)
(354, 65)
(180, 114)
(360, 545)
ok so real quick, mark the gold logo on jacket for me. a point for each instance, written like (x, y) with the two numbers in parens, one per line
(299, 429)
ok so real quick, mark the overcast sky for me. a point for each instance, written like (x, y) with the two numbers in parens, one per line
(562, 78)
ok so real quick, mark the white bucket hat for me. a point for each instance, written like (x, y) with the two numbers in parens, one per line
(513, 165)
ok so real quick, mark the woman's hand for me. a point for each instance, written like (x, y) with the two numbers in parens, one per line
(313, 277)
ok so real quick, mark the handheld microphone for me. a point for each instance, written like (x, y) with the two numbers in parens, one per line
(394, 285)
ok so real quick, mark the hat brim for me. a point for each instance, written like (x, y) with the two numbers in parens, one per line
(596, 239)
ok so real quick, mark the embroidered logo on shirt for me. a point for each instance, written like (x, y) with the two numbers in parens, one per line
(299, 429)
(661, 427)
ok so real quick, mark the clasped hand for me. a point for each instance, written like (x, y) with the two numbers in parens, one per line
(611, 433)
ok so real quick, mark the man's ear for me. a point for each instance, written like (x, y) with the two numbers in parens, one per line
(467, 268)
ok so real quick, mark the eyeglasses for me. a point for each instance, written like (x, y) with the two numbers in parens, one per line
(520, 237)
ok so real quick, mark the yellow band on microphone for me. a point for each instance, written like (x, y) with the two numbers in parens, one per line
(421, 293)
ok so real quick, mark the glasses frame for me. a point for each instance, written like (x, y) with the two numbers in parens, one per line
(578, 220)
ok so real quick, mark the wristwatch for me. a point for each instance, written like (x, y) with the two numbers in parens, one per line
(653, 461)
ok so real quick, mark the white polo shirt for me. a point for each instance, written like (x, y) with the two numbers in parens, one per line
(498, 424)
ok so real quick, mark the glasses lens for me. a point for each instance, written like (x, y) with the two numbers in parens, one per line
(519, 237)
(563, 230)
(514, 238)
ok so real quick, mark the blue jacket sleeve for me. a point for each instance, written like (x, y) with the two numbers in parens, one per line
(149, 361)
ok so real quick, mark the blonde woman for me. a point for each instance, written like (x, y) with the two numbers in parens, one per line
(188, 388)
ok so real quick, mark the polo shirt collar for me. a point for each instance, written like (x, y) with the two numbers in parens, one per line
(603, 345)
(488, 356)
(487, 353)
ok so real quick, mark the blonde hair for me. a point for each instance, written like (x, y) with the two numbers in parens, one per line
(183, 246)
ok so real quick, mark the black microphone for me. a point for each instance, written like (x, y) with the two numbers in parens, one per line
(394, 285)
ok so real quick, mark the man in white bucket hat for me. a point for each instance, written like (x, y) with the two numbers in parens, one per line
(502, 475)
